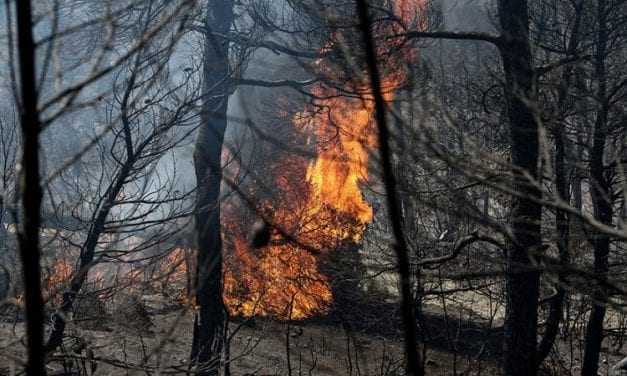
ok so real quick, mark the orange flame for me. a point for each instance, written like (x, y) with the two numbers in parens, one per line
(279, 281)
(321, 202)
(174, 274)
(60, 274)
(341, 166)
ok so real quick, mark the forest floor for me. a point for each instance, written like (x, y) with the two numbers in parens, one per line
(159, 344)
(258, 347)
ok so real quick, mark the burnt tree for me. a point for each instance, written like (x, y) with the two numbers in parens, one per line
(601, 189)
(30, 190)
(413, 365)
(209, 321)
(522, 280)
(562, 185)
(522, 277)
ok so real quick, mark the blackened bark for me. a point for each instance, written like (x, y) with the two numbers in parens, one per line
(601, 244)
(413, 365)
(601, 200)
(562, 172)
(31, 193)
(522, 281)
(209, 321)
(562, 222)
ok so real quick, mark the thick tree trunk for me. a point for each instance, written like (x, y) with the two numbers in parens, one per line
(30, 191)
(601, 200)
(210, 319)
(522, 281)
(3, 232)
(344, 268)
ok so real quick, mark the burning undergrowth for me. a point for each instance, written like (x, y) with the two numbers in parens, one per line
(135, 275)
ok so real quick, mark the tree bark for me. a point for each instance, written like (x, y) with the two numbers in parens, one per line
(31, 193)
(210, 319)
(601, 200)
(562, 183)
(562, 222)
(522, 281)
(413, 366)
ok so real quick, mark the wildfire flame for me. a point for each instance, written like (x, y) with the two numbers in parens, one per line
(322, 207)
(59, 275)
(342, 164)
(170, 276)
(174, 276)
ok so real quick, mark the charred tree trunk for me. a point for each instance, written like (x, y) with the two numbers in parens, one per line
(562, 183)
(601, 245)
(601, 200)
(413, 366)
(562, 222)
(209, 321)
(522, 280)
(30, 192)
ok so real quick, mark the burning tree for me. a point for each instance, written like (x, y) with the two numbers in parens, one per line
(478, 183)
(316, 213)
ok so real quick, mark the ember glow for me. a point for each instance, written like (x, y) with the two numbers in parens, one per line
(59, 275)
(174, 276)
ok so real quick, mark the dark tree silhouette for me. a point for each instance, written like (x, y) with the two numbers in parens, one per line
(413, 366)
(30, 190)
(522, 281)
(209, 321)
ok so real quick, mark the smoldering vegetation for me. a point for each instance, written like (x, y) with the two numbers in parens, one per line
(299, 187)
